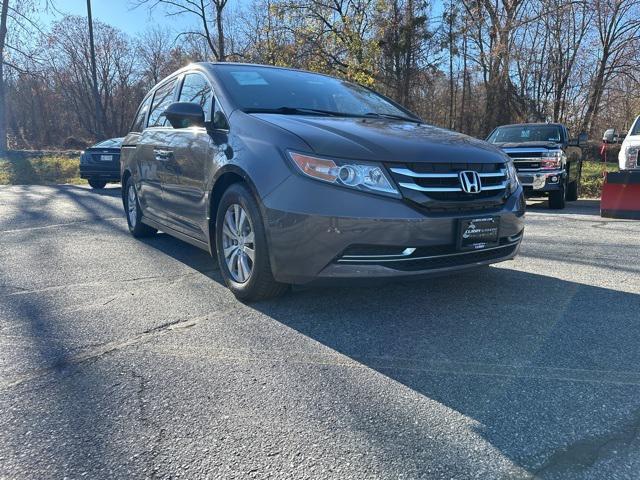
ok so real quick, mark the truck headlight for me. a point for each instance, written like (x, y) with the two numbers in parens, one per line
(512, 177)
(631, 157)
(551, 160)
(364, 176)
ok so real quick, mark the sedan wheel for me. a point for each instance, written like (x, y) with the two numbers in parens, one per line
(238, 242)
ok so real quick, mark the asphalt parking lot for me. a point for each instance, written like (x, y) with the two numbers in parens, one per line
(127, 358)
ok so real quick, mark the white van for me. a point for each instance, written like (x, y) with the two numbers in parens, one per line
(629, 158)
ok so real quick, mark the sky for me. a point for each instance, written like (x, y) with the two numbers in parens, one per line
(123, 15)
(118, 13)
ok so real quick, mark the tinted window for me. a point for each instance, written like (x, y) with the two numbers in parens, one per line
(111, 143)
(196, 89)
(271, 88)
(161, 100)
(138, 123)
(527, 133)
(636, 128)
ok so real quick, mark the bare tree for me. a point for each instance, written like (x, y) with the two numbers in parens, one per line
(208, 13)
(617, 37)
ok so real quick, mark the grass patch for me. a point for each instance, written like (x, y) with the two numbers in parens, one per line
(39, 170)
(592, 177)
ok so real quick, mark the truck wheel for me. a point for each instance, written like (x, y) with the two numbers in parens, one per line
(98, 184)
(241, 246)
(557, 198)
(573, 191)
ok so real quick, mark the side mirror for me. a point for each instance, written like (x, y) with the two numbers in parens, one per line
(220, 121)
(583, 138)
(185, 114)
(609, 136)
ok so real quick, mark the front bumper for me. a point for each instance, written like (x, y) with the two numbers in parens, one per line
(310, 225)
(542, 180)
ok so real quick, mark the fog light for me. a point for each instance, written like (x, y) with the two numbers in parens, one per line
(554, 179)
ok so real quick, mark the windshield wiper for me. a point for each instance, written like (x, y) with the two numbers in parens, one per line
(295, 111)
(393, 117)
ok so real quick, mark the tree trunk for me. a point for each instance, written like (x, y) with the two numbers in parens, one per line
(451, 50)
(462, 122)
(219, 23)
(3, 98)
(595, 95)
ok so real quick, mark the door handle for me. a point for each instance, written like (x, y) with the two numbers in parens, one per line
(162, 155)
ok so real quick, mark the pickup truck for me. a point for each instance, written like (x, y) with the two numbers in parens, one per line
(547, 162)
(629, 157)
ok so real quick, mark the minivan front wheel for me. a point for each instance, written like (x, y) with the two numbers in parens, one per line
(241, 247)
(134, 213)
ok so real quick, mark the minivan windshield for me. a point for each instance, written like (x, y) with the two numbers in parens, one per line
(526, 133)
(256, 89)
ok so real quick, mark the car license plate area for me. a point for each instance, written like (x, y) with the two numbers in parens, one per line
(478, 233)
(106, 158)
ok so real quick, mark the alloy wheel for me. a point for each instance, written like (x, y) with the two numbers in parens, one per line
(132, 207)
(238, 243)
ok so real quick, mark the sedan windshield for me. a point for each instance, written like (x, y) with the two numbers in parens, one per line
(290, 92)
(526, 133)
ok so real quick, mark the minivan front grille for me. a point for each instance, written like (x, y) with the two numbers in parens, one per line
(437, 186)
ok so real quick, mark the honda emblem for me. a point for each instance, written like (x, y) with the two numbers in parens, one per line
(470, 181)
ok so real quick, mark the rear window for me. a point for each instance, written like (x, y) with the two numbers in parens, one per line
(111, 143)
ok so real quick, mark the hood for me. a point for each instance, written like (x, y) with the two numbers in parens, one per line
(384, 140)
(523, 145)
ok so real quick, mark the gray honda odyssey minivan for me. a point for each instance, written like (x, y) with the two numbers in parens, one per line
(292, 177)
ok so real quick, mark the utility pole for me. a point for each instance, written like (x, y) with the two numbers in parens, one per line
(94, 76)
(4, 14)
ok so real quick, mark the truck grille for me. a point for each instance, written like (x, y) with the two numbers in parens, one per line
(526, 160)
(437, 187)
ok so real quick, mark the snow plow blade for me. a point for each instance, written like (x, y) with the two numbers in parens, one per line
(621, 195)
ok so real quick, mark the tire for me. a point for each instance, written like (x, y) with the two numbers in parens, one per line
(134, 214)
(97, 184)
(573, 191)
(239, 237)
(557, 198)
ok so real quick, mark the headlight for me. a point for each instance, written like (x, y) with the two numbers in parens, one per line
(512, 177)
(631, 157)
(364, 176)
(551, 160)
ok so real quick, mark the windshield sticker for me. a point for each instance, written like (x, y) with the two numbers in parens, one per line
(248, 78)
(524, 134)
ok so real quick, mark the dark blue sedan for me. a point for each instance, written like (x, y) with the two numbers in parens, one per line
(100, 164)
